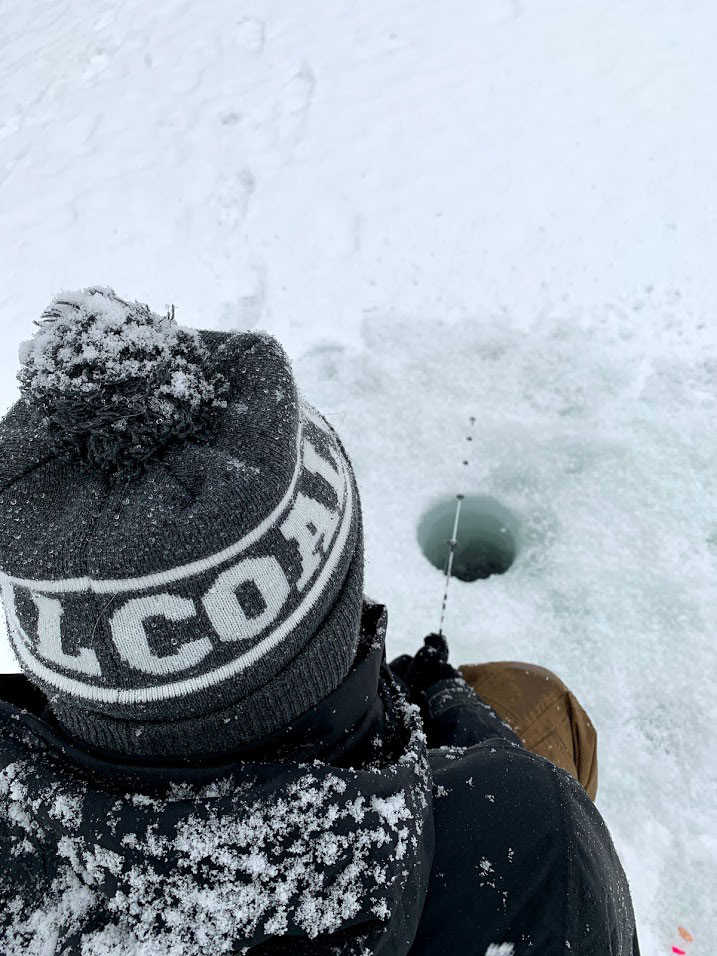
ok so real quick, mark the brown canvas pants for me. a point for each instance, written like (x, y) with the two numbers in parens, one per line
(544, 714)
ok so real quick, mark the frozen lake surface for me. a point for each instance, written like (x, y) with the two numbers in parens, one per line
(503, 211)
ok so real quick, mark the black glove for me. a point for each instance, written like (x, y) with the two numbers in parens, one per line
(453, 714)
(418, 673)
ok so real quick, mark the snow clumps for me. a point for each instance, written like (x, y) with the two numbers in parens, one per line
(114, 381)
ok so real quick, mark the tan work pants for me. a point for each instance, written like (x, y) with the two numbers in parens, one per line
(544, 714)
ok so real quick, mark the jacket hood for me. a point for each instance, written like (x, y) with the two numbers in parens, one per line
(262, 857)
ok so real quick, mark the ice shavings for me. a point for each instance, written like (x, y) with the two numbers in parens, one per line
(13, 792)
(67, 808)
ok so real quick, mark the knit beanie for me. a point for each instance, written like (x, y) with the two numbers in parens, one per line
(181, 559)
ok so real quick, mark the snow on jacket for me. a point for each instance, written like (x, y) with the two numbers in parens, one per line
(345, 834)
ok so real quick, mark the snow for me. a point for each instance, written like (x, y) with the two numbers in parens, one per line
(113, 379)
(213, 867)
(90, 338)
(504, 211)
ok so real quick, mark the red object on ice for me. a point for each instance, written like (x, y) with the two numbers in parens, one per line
(680, 952)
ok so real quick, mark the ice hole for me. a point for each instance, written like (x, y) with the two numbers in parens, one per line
(486, 537)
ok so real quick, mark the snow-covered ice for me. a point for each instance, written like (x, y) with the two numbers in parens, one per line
(504, 210)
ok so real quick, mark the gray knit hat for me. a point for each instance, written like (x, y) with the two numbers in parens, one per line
(181, 557)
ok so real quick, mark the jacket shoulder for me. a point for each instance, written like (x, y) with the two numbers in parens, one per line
(522, 857)
(600, 912)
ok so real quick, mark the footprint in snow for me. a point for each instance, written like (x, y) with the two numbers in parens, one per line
(245, 310)
(299, 92)
(232, 198)
(250, 35)
(293, 109)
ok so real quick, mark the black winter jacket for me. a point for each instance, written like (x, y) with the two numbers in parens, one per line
(345, 834)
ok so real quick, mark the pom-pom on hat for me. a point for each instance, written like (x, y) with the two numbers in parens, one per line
(181, 561)
(116, 381)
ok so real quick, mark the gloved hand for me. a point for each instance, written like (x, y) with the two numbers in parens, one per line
(418, 673)
(453, 714)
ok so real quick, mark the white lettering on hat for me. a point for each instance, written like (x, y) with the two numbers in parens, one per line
(321, 533)
(310, 523)
(312, 526)
(318, 465)
(130, 637)
(49, 640)
(222, 605)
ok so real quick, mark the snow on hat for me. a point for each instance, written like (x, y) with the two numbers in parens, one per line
(181, 560)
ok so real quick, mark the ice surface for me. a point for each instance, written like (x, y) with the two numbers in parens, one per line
(503, 209)
(596, 436)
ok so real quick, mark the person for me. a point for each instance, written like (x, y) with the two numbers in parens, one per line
(207, 751)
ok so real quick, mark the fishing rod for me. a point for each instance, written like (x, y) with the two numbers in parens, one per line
(452, 542)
